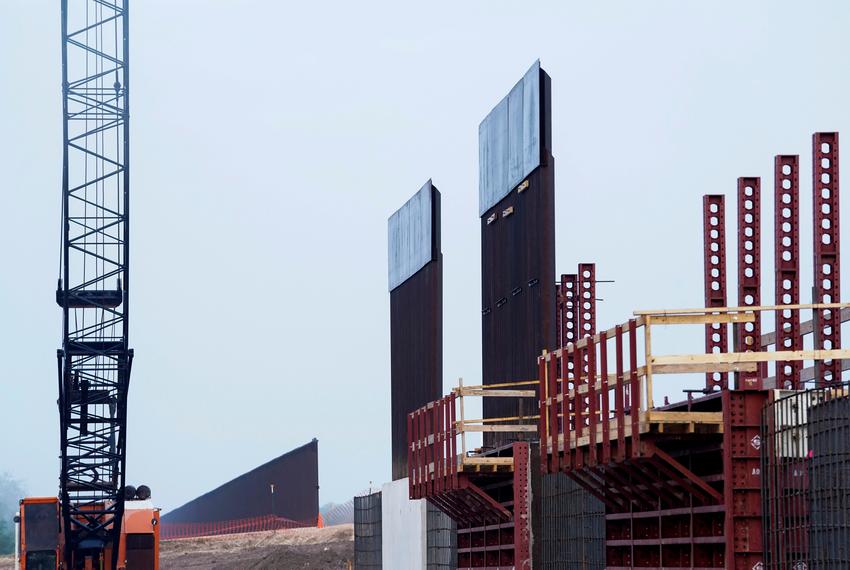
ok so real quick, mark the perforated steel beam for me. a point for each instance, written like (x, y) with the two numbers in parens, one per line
(587, 299)
(827, 266)
(787, 260)
(714, 261)
(567, 321)
(748, 337)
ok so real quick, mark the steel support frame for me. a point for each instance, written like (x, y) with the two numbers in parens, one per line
(742, 486)
(827, 251)
(787, 260)
(522, 505)
(748, 335)
(714, 263)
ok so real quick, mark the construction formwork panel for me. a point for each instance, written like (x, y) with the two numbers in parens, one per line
(416, 316)
(518, 277)
(367, 531)
(827, 257)
(510, 543)
(287, 486)
(572, 532)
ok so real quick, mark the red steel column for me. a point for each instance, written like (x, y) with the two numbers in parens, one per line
(714, 257)
(568, 322)
(748, 337)
(827, 264)
(587, 299)
(787, 259)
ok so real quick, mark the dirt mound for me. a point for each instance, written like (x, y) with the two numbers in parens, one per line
(331, 548)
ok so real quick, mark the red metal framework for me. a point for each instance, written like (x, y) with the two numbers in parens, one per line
(748, 337)
(787, 260)
(714, 258)
(827, 266)
(567, 317)
(587, 299)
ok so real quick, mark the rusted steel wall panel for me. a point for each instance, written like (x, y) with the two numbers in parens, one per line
(518, 291)
(295, 476)
(511, 140)
(714, 256)
(412, 233)
(787, 260)
(518, 273)
(827, 254)
(416, 339)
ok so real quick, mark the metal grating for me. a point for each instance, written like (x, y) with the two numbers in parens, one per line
(573, 526)
(367, 531)
(806, 482)
(441, 537)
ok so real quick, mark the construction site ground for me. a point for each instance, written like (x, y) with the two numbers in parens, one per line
(330, 548)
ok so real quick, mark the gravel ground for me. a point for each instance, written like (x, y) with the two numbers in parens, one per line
(330, 548)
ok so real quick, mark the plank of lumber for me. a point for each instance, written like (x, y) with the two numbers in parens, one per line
(503, 428)
(704, 310)
(735, 357)
(724, 318)
(686, 368)
(501, 385)
(557, 353)
(497, 393)
(807, 327)
(487, 460)
(684, 417)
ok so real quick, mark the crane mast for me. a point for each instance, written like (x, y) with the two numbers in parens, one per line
(93, 290)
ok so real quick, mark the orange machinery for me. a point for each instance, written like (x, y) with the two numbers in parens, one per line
(39, 541)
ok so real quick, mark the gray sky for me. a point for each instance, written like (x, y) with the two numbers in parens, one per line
(271, 141)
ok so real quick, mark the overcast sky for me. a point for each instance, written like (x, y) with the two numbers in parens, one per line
(271, 141)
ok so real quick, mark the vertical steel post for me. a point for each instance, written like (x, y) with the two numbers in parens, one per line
(606, 405)
(827, 266)
(714, 262)
(586, 300)
(748, 335)
(543, 414)
(592, 410)
(787, 260)
(552, 377)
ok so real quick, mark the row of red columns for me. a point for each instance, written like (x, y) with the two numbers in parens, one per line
(826, 260)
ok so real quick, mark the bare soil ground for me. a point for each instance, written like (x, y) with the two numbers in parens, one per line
(330, 548)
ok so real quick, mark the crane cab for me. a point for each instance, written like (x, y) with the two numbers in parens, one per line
(39, 544)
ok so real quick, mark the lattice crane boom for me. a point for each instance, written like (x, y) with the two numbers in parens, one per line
(95, 358)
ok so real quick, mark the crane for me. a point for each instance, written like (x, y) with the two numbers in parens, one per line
(95, 359)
